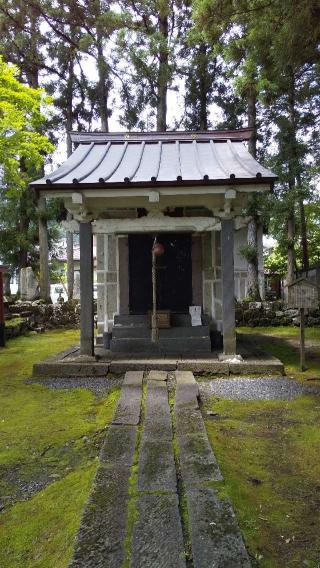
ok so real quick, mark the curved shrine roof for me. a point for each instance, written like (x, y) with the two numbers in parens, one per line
(159, 158)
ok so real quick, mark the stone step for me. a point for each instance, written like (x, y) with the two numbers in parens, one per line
(177, 320)
(125, 331)
(134, 345)
(182, 345)
(186, 345)
(140, 319)
(99, 340)
(128, 332)
(157, 536)
(180, 320)
(215, 533)
(188, 332)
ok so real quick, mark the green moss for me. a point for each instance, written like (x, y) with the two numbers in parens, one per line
(40, 533)
(20, 354)
(268, 452)
(312, 333)
(283, 343)
(15, 322)
(45, 433)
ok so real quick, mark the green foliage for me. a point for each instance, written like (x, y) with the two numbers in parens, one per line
(249, 253)
(275, 260)
(21, 122)
(23, 146)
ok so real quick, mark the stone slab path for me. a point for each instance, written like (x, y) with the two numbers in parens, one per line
(155, 499)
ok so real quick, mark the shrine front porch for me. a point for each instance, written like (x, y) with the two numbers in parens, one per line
(71, 363)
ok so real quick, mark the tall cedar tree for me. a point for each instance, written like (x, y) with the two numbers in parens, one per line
(283, 51)
(149, 42)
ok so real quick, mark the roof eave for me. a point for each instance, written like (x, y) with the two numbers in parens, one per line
(147, 185)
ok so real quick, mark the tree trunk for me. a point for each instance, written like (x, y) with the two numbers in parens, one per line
(252, 122)
(44, 280)
(70, 261)
(303, 230)
(69, 235)
(6, 284)
(102, 87)
(291, 254)
(304, 237)
(33, 79)
(23, 228)
(162, 75)
(292, 172)
(252, 235)
(253, 274)
(203, 85)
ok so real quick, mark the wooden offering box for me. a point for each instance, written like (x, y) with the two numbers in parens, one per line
(163, 319)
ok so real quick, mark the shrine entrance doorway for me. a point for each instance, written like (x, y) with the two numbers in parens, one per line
(174, 273)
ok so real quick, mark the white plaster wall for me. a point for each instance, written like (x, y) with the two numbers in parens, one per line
(240, 265)
(211, 278)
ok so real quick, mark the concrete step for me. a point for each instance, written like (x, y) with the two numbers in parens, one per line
(140, 331)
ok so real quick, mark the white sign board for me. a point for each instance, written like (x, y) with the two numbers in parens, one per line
(302, 294)
(195, 313)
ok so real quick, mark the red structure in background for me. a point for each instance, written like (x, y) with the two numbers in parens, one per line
(3, 269)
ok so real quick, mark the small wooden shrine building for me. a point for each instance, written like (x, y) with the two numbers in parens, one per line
(190, 190)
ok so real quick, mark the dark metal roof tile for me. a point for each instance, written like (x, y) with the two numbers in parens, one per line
(168, 160)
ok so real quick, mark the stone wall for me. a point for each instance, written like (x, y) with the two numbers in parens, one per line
(264, 314)
(107, 281)
(23, 316)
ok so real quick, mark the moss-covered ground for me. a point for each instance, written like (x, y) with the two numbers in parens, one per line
(269, 453)
(49, 443)
(283, 342)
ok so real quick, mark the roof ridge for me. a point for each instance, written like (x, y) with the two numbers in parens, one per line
(155, 136)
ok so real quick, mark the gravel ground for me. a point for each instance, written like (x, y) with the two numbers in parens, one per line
(100, 386)
(255, 389)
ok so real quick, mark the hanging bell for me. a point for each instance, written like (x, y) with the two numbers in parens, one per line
(158, 249)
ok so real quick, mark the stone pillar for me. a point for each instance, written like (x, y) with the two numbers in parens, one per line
(228, 304)
(44, 277)
(86, 289)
